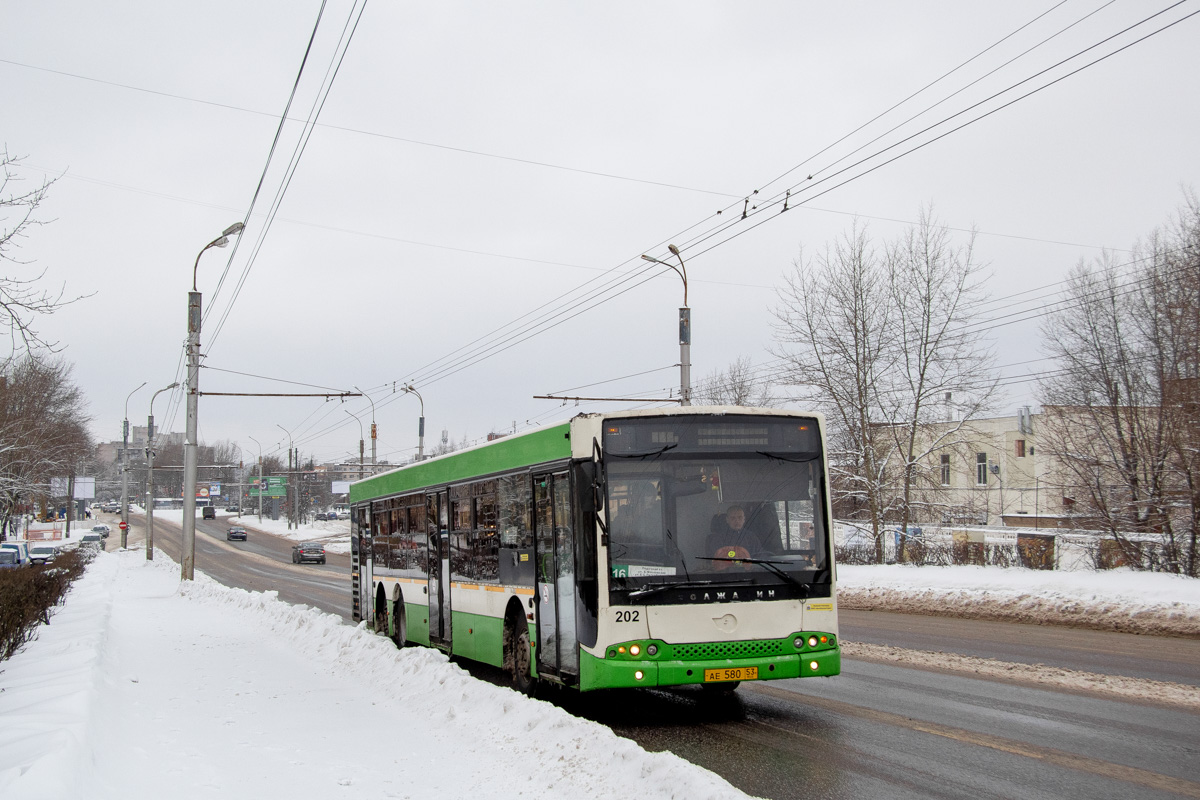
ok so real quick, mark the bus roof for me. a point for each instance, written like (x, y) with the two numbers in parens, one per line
(510, 452)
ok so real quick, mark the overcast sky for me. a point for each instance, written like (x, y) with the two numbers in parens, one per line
(483, 165)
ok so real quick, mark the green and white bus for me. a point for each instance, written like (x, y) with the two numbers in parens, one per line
(645, 548)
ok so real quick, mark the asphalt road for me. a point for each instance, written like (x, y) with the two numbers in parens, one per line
(876, 731)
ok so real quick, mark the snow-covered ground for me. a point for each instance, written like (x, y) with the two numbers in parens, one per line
(146, 687)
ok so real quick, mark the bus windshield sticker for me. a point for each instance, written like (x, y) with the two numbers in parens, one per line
(640, 570)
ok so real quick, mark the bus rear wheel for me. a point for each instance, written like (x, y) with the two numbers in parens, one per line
(522, 657)
(399, 626)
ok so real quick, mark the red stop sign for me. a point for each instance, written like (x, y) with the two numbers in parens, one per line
(123, 525)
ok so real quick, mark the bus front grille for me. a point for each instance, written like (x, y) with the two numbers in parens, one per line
(708, 650)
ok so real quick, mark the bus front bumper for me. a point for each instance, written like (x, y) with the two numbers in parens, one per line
(602, 673)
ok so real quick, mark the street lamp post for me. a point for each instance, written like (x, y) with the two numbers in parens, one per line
(685, 330)
(261, 481)
(421, 426)
(124, 474)
(364, 394)
(289, 488)
(360, 442)
(150, 474)
(188, 556)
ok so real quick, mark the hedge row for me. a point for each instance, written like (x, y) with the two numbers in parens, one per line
(28, 594)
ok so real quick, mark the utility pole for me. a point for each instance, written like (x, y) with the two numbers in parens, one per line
(150, 474)
(685, 329)
(296, 491)
(187, 558)
(125, 471)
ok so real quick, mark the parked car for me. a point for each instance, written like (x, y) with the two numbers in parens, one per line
(93, 541)
(42, 553)
(20, 548)
(8, 559)
(233, 509)
(102, 529)
(235, 532)
(209, 512)
(343, 514)
(308, 551)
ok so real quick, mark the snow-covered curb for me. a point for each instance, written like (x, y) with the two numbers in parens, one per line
(1118, 686)
(1118, 600)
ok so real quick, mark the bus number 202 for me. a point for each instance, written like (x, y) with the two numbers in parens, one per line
(627, 616)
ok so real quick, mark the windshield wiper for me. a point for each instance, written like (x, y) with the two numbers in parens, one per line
(770, 566)
(648, 454)
(778, 457)
(662, 587)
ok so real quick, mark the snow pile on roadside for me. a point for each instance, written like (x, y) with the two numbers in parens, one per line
(1119, 600)
(1113, 686)
(143, 687)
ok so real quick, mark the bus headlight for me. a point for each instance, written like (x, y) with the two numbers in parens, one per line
(652, 650)
(635, 649)
(798, 642)
(639, 674)
(812, 641)
(813, 665)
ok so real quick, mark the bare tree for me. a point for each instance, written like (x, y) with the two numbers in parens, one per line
(877, 342)
(43, 431)
(736, 385)
(832, 330)
(23, 297)
(935, 290)
(1122, 408)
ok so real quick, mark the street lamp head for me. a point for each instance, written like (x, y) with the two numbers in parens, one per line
(224, 240)
(673, 249)
(233, 229)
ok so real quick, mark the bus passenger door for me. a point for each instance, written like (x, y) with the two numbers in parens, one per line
(439, 573)
(366, 578)
(557, 651)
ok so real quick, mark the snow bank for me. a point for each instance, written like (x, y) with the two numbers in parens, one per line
(143, 687)
(1119, 600)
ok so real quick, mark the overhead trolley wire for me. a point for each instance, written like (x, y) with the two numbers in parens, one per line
(547, 323)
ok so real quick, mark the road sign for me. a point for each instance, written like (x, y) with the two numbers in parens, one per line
(123, 525)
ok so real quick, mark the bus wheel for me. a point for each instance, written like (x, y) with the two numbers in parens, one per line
(399, 626)
(522, 658)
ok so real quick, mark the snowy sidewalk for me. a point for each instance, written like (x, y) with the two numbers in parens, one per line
(141, 687)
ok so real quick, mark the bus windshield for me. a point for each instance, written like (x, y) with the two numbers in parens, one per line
(681, 521)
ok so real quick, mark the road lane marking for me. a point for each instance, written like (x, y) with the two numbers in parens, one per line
(1049, 755)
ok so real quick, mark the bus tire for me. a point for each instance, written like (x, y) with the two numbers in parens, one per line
(522, 657)
(381, 616)
(399, 625)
